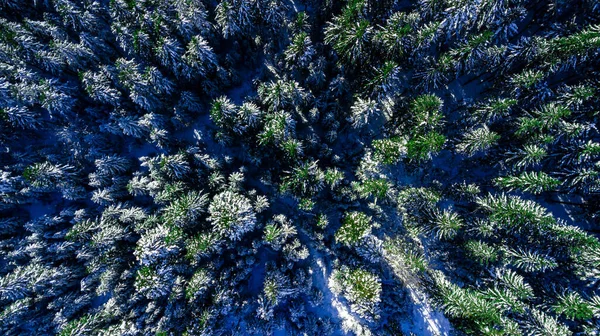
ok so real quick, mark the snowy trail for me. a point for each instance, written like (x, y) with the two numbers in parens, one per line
(426, 321)
(320, 275)
(336, 310)
(332, 308)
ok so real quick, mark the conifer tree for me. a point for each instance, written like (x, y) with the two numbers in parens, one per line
(355, 226)
(231, 215)
(361, 288)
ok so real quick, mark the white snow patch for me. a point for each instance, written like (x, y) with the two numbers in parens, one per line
(349, 322)
(425, 320)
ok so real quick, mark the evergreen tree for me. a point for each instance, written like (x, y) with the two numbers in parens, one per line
(231, 215)
(364, 111)
(477, 140)
(529, 181)
(446, 224)
(361, 288)
(355, 226)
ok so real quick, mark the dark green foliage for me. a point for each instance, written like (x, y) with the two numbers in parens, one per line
(355, 226)
(423, 146)
(389, 151)
(447, 224)
(482, 252)
(514, 212)
(426, 113)
(361, 288)
(305, 180)
(534, 182)
(573, 306)
(477, 140)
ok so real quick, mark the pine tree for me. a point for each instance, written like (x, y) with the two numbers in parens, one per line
(363, 111)
(573, 306)
(111, 165)
(515, 283)
(350, 33)
(577, 95)
(186, 209)
(153, 283)
(389, 151)
(530, 261)
(305, 180)
(544, 324)
(528, 156)
(292, 149)
(173, 166)
(300, 51)
(477, 140)
(494, 109)
(46, 175)
(527, 80)
(334, 177)
(468, 305)
(233, 17)
(20, 117)
(534, 182)
(395, 36)
(446, 224)
(198, 284)
(426, 112)
(80, 326)
(281, 94)
(361, 288)
(577, 45)
(132, 126)
(483, 253)
(223, 112)
(386, 80)
(355, 226)
(158, 244)
(231, 215)
(199, 57)
(278, 127)
(588, 151)
(277, 231)
(323, 107)
(378, 189)
(202, 245)
(423, 147)
(515, 213)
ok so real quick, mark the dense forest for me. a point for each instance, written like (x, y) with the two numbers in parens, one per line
(299, 167)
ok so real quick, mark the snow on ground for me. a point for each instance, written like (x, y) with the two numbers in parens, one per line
(320, 275)
(425, 320)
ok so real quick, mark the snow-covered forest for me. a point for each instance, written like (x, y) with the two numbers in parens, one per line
(299, 167)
